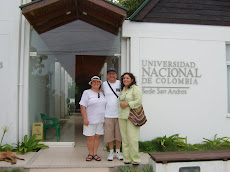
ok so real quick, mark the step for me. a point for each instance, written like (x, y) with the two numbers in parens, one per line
(70, 170)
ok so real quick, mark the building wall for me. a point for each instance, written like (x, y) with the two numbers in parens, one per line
(205, 166)
(199, 111)
(193, 104)
(9, 43)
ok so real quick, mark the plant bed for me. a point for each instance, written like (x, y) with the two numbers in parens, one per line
(28, 145)
(130, 168)
(11, 169)
(175, 143)
(174, 154)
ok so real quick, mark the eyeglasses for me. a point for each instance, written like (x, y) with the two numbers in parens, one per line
(98, 95)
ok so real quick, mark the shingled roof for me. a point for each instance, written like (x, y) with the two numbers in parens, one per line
(203, 12)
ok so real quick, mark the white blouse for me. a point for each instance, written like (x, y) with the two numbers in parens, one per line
(95, 107)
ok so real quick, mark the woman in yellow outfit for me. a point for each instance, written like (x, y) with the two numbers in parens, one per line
(130, 98)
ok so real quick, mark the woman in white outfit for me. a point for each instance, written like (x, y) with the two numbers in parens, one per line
(93, 105)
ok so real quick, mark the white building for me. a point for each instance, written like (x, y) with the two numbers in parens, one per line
(179, 56)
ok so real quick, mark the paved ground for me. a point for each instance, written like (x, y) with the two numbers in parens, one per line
(70, 158)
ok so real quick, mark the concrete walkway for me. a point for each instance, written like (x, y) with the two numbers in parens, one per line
(70, 158)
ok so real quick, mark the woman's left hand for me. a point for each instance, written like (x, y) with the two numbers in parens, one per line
(124, 104)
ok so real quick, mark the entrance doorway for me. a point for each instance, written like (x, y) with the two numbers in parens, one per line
(62, 61)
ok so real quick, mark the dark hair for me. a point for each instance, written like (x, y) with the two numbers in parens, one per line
(131, 76)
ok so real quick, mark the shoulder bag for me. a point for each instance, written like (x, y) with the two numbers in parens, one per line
(137, 116)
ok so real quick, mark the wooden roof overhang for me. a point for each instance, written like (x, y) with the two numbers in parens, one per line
(45, 15)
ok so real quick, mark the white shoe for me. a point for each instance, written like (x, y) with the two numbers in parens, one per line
(119, 156)
(110, 157)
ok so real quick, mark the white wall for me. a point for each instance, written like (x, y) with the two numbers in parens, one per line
(9, 37)
(201, 112)
(205, 166)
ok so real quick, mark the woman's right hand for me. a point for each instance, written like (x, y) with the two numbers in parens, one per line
(124, 104)
(86, 122)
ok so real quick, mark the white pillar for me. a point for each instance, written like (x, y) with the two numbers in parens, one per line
(57, 95)
(62, 92)
(66, 92)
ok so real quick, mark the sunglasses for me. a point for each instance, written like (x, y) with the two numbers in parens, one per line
(98, 95)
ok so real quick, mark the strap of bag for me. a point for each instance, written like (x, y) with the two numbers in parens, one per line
(112, 89)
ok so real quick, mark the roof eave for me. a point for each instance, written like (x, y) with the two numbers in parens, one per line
(32, 2)
(118, 5)
(138, 9)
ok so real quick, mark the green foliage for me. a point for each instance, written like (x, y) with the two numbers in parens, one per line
(125, 169)
(72, 90)
(163, 144)
(30, 145)
(147, 168)
(7, 147)
(150, 146)
(217, 142)
(5, 129)
(172, 142)
(176, 143)
(132, 5)
(13, 170)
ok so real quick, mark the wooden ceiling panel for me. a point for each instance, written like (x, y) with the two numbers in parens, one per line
(109, 6)
(47, 9)
(54, 23)
(98, 23)
(103, 14)
(45, 15)
(87, 67)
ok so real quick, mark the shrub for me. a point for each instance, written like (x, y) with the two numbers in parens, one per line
(147, 168)
(30, 145)
(176, 143)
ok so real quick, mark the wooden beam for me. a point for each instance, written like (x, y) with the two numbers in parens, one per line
(48, 10)
(36, 20)
(109, 6)
(166, 157)
(39, 5)
(103, 14)
(54, 23)
(99, 23)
